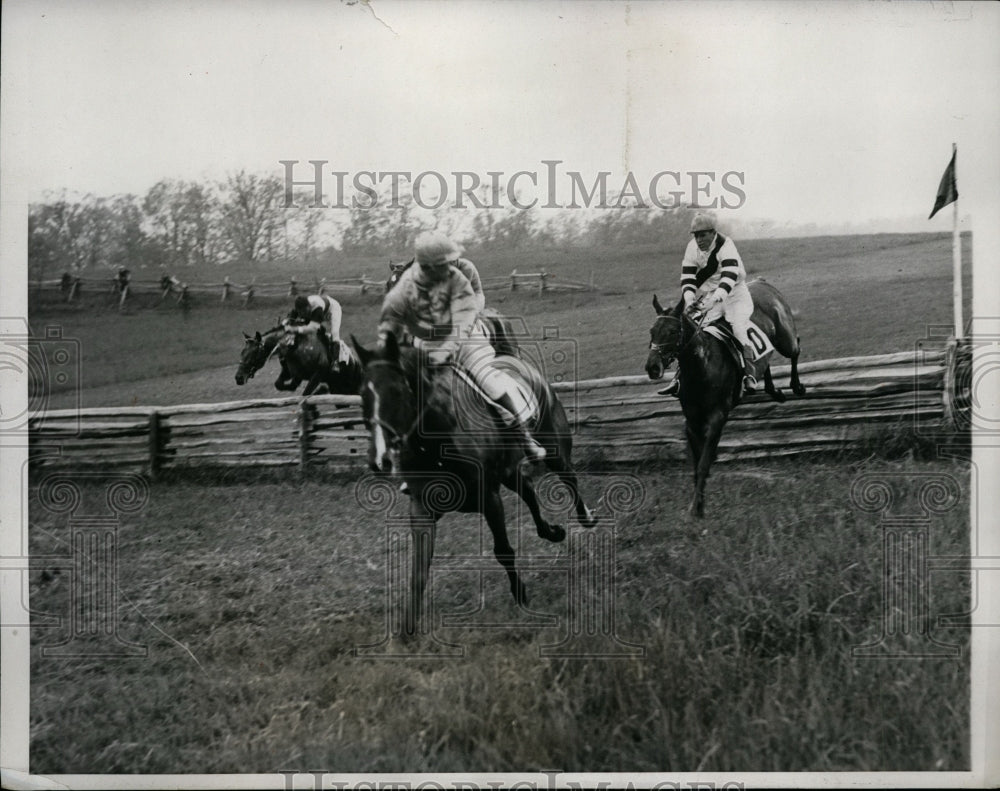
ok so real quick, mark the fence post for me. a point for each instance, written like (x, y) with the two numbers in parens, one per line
(154, 445)
(513, 279)
(542, 284)
(292, 289)
(305, 421)
(225, 288)
(74, 289)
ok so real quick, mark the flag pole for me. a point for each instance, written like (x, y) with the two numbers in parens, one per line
(956, 254)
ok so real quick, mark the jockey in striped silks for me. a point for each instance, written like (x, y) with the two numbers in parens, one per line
(713, 274)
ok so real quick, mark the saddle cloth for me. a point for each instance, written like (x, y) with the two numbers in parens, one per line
(511, 367)
(759, 342)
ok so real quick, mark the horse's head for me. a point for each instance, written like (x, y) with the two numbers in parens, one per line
(388, 404)
(252, 358)
(395, 271)
(664, 340)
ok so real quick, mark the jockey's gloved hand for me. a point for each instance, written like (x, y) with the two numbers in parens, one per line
(439, 356)
(688, 299)
(717, 296)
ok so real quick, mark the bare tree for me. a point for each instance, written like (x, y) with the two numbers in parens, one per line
(251, 221)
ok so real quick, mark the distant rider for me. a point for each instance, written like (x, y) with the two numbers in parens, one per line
(713, 275)
(320, 314)
(436, 304)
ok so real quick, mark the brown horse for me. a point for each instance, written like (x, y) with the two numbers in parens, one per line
(302, 358)
(431, 426)
(711, 371)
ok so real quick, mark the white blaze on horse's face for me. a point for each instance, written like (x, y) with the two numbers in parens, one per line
(378, 435)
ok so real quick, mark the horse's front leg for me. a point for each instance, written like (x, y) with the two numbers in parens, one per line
(423, 526)
(502, 550)
(708, 444)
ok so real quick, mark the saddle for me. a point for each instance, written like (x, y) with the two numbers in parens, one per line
(511, 367)
(722, 330)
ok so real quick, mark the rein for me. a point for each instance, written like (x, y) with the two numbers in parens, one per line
(659, 348)
(398, 439)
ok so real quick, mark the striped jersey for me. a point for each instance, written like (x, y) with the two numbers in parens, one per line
(719, 267)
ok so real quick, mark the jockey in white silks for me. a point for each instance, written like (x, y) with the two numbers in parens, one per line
(320, 312)
(713, 274)
(435, 304)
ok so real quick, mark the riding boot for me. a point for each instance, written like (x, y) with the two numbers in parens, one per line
(331, 355)
(532, 449)
(672, 389)
(749, 372)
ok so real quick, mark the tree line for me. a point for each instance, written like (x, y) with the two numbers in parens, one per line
(242, 223)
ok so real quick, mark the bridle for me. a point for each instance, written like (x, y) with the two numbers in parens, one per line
(663, 349)
(260, 345)
(396, 439)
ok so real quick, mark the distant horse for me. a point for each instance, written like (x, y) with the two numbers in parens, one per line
(303, 358)
(498, 329)
(416, 431)
(711, 371)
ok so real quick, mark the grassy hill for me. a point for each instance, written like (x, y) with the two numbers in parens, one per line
(855, 295)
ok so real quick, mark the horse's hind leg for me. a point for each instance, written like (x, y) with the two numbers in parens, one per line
(558, 464)
(522, 486)
(797, 387)
(502, 549)
(774, 392)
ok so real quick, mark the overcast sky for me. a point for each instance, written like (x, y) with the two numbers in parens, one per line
(832, 112)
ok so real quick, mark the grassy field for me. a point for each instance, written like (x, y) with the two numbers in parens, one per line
(253, 604)
(256, 596)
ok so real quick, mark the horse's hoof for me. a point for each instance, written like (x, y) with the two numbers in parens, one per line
(590, 519)
(799, 391)
(553, 533)
(778, 396)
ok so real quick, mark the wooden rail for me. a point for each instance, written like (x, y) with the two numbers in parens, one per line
(230, 290)
(616, 419)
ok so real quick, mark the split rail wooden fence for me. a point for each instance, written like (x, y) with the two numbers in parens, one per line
(615, 420)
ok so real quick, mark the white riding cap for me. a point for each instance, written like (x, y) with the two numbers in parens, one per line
(702, 222)
(435, 248)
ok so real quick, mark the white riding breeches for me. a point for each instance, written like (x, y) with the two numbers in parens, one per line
(332, 320)
(476, 356)
(737, 309)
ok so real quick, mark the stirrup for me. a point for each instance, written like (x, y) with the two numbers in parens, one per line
(749, 384)
(673, 389)
(532, 449)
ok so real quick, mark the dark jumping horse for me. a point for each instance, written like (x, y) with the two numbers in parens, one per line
(498, 329)
(419, 419)
(711, 372)
(302, 360)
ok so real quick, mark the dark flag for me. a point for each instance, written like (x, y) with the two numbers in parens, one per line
(947, 191)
